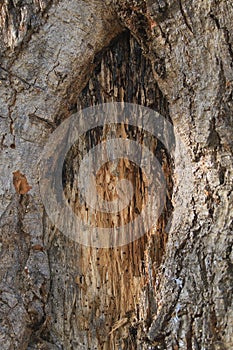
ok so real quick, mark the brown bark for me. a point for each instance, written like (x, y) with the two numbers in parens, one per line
(172, 288)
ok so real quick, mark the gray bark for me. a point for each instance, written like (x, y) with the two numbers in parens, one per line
(172, 288)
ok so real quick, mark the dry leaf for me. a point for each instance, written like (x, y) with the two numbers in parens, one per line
(20, 182)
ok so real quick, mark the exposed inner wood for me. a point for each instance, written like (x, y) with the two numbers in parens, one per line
(114, 287)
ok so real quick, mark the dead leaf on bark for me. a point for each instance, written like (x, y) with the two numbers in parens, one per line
(20, 183)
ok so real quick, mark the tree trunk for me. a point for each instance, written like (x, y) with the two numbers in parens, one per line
(171, 288)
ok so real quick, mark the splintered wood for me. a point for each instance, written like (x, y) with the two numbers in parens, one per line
(115, 286)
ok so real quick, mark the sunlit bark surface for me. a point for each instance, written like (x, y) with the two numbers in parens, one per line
(172, 288)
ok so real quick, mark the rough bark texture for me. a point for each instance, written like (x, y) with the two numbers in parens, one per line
(171, 289)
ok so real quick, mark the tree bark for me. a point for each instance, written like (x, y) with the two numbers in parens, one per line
(172, 287)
